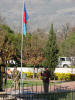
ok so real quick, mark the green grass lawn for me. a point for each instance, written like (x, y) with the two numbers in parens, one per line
(27, 83)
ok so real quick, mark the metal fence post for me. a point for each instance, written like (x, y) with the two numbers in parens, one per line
(41, 88)
(50, 87)
(36, 87)
(19, 89)
(32, 87)
(72, 95)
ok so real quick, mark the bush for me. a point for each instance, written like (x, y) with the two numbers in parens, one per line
(63, 76)
(28, 74)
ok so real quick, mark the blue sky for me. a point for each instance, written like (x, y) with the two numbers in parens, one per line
(41, 12)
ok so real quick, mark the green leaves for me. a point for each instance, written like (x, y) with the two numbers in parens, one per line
(68, 45)
(51, 50)
(8, 43)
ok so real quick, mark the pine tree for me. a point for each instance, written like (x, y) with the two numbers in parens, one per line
(51, 50)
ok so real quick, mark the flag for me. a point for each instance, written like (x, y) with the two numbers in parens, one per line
(25, 18)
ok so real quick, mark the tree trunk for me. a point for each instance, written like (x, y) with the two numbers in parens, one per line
(34, 72)
(1, 80)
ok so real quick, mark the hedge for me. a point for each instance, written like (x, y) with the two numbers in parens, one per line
(30, 74)
(65, 76)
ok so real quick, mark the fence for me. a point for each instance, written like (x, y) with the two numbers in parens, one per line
(69, 95)
(56, 92)
(36, 92)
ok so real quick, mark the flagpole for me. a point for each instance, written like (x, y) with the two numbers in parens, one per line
(24, 22)
(22, 47)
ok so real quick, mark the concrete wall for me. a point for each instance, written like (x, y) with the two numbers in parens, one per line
(26, 69)
(57, 70)
(65, 70)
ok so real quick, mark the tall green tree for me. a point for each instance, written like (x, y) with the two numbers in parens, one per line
(51, 51)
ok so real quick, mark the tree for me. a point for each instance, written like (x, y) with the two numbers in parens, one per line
(51, 50)
(32, 50)
(62, 34)
(68, 45)
(66, 31)
(7, 48)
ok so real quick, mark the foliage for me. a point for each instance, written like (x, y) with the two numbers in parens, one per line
(51, 51)
(68, 45)
(10, 44)
(63, 76)
(30, 74)
(6, 47)
(6, 29)
(32, 50)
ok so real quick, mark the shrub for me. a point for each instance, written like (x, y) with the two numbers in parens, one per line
(63, 76)
(28, 74)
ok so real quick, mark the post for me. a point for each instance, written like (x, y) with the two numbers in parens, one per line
(72, 95)
(1, 80)
(36, 87)
(34, 72)
(22, 49)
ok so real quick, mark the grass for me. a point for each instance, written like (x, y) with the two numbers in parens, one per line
(27, 83)
(9, 84)
(33, 82)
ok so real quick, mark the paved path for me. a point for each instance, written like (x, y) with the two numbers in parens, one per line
(55, 87)
(64, 86)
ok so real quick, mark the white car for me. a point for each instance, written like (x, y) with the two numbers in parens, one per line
(64, 62)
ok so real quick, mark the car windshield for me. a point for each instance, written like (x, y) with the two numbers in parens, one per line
(62, 59)
(65, 59)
